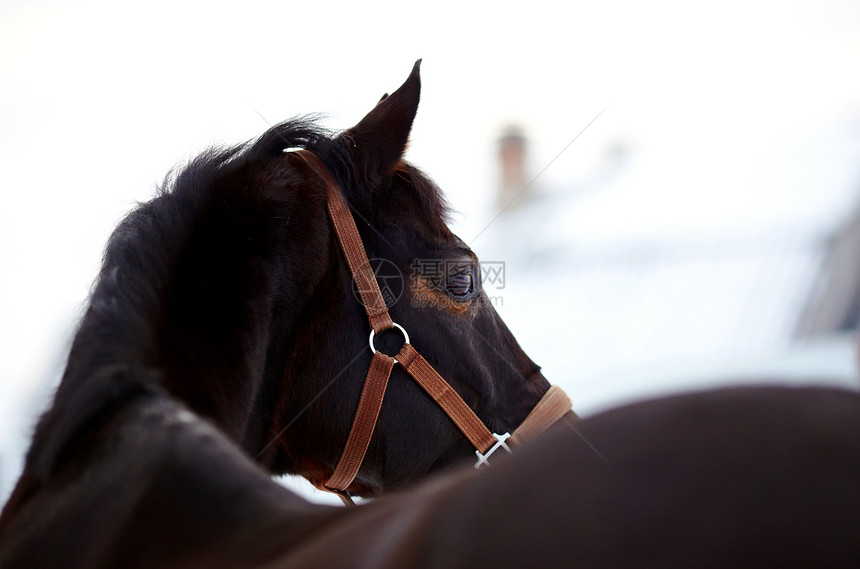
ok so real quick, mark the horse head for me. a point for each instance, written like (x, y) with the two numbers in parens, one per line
(229, 294)
(431, 283)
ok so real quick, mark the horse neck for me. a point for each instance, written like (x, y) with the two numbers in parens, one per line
(198, 290)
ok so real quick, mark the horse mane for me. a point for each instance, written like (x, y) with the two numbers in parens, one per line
(118, 350)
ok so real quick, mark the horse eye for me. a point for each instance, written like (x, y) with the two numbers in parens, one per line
(460, 284)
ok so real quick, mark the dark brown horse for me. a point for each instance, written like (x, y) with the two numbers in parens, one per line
(224, 343)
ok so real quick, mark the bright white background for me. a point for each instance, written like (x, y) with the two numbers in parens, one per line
(732, 108)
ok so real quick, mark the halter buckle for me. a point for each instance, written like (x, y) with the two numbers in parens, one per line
(500, 443)
(396, 325)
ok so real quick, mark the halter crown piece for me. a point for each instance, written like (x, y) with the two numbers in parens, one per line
(551, 407)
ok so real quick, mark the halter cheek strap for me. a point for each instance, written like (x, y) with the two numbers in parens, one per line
(552, 406)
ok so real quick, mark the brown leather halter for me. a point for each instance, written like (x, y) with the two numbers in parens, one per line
(551, 407)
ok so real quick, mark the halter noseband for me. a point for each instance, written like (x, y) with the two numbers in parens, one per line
(549, 409)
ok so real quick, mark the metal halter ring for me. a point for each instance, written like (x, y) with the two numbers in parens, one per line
(396, 325)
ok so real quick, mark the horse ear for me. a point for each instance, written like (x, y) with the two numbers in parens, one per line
(378, 141)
